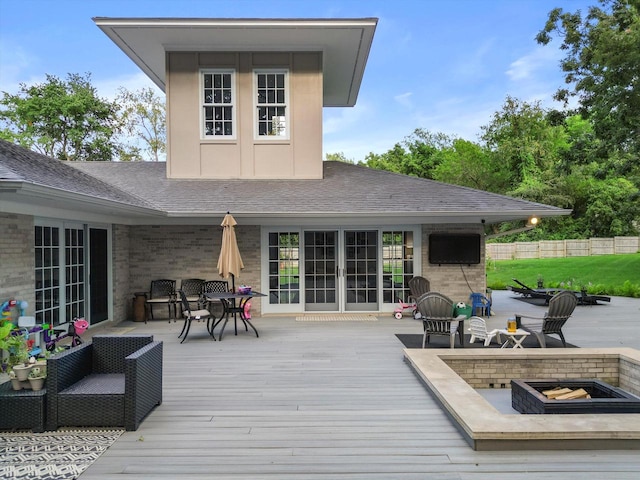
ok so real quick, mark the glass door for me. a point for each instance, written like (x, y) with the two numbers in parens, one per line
(361, 270)
(321, 270)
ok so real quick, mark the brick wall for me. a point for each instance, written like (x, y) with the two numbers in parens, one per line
(180, 252)
(630, 375)
(451, 280)
(16, 259)
(498, 372)
(122, 298)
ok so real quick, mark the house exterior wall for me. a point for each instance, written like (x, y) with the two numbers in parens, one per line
(246, 156)
(17, 252)
(17, 260)
(451, 280)
(122, 293)
(180, 252)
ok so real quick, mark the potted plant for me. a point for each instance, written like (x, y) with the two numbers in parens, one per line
(18, 350)
(15, 383)
(36, 378)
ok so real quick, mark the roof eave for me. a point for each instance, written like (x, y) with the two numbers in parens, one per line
(36, 195)
(345, 44)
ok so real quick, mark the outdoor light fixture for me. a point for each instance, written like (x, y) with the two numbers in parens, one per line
(532, 222)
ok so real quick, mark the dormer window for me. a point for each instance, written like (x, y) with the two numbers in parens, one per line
(272, 114)
(218, 99)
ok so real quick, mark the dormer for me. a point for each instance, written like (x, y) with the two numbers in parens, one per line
(245, 96)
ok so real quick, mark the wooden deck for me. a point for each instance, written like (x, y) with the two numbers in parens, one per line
(314, 400)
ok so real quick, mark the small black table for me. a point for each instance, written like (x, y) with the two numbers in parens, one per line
(228, 300)
(22, 408)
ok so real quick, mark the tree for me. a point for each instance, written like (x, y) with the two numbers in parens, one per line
(471, 165)
(602, 67)
(523, 140)
(338, 157)
(61, 118)
(414, 156)
(144, 119)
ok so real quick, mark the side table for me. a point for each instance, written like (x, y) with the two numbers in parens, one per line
(514, 339)
(22, 408)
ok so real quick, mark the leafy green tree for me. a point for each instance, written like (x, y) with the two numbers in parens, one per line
(144, 120)
(61, 118)
(471, 165)
(523, 140)
(415, 155)
(338, 157)
(602, 67)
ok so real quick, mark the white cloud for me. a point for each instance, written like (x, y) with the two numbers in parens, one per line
(338, 120)
(404, 99)
(108, 87)
(530, 65)
(16, 64)
(474, 64)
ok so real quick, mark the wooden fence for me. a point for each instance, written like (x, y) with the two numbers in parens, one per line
(563, 248)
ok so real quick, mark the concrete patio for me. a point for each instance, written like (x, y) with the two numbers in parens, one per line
(333, 400)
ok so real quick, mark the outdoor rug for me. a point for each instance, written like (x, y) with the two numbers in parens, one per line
(60, 455)
(327, 317)
(414, 340)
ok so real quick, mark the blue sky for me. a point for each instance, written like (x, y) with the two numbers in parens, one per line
(440, 65)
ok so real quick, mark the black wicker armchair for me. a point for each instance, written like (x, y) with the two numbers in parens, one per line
(115, 380)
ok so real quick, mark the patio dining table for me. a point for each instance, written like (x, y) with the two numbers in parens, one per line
(233, 303)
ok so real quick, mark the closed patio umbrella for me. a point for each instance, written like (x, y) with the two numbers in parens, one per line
(230, 261)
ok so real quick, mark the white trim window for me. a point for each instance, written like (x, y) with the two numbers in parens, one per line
(272, 98)
(218, 103)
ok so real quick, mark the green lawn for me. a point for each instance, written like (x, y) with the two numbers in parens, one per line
(604, 275)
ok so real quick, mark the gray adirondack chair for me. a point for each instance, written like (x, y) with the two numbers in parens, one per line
(561, 307)
(436, 310)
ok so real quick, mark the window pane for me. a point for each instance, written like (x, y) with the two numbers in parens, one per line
(218, 91)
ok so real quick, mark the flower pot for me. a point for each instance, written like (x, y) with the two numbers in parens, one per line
(42, 364)
(16, 384)
(36, 383)
(22, 371)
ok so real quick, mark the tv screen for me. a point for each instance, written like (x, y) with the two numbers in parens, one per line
(454, 248)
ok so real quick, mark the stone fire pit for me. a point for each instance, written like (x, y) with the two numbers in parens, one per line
(452, 377)
(527, 397)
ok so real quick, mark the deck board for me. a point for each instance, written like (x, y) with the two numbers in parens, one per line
(318, 401)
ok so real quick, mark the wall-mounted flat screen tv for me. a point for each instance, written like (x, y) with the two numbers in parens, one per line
(454, 248)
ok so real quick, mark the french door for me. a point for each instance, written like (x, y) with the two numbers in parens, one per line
(71, 272)
(341, 270)
(338, 269)
(361, 270)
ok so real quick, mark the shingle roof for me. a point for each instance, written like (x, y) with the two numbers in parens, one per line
(18, 164)
(345, 190)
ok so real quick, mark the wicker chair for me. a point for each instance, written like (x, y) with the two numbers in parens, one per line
(114, 381)
(162, 292)
(437, 318)
(561, 306)
(190, 314)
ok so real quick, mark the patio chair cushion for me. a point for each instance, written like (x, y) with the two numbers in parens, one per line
(103, 393)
